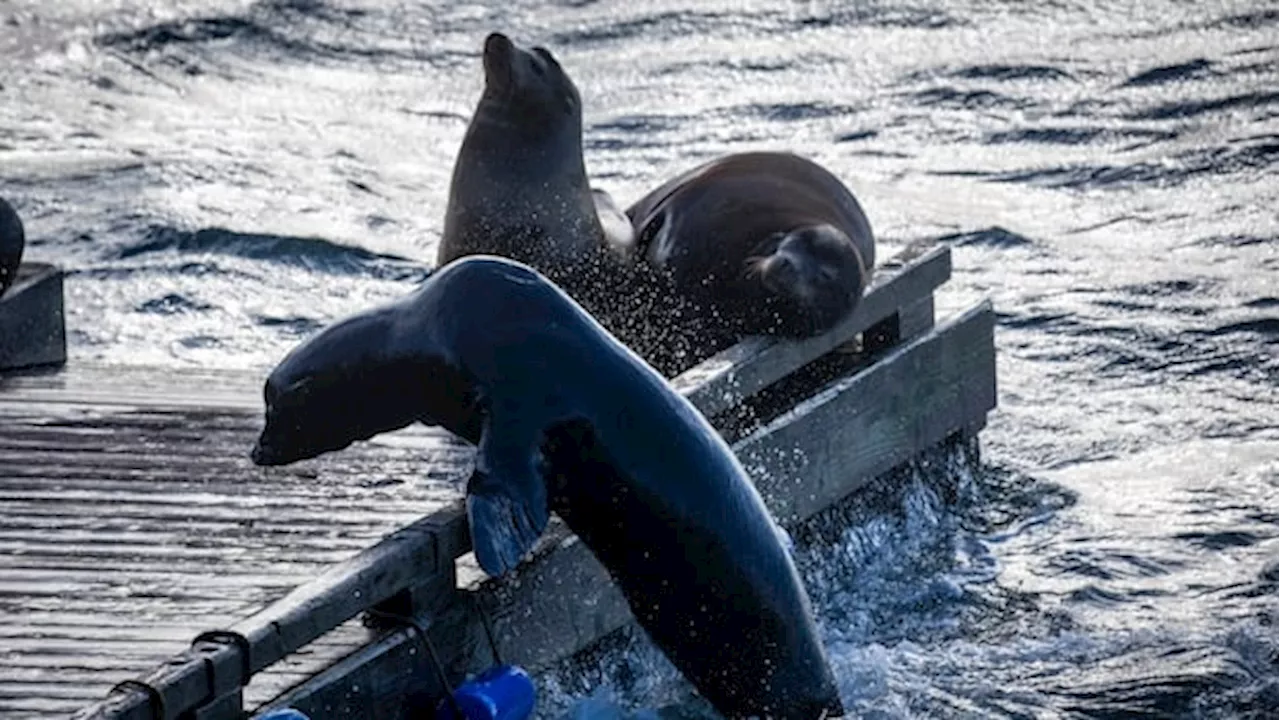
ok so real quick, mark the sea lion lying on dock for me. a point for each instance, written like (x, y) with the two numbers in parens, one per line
(567, 419)
(766, 243)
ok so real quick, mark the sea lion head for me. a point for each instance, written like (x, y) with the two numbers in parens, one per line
(529, 88)
(814, 276)
(348, 383)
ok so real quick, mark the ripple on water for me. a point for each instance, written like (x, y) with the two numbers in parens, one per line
(951, 97)
(1235, 158)
(314, 254)
(293, 30)
(1184, 109)
(1195, 70)
(992, 237)
(173, 303)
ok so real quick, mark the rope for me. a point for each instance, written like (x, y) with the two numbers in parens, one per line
(421, 631)
(488, 629)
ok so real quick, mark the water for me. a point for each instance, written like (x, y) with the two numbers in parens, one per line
(223, 177)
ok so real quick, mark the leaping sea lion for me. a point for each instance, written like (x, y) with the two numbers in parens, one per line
(764, 243)
(12, 241)
(567, 419)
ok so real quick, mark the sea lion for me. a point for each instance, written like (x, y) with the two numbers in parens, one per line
(567, 419)
(765, 243)
(12, 241)
(519, 188)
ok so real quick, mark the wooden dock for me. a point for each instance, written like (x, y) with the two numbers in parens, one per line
(131, 518)
(138, 521)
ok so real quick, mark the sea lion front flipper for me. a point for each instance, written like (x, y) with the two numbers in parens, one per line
(619, 236)
(506, 496)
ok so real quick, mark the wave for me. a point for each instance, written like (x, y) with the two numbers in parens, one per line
(173, 304)
(1258, 19)
(998, 72)
(1194, 70)
(1183, 109)
(293, 325)
(1238, 156)
(1075, 135)
(968, 99)
(1012, 72)
(676, 24)
(789, 111)
(313, 254)
(883, 16)
(993, 237)
(299, 29)
(665, 25)
(1141, 355)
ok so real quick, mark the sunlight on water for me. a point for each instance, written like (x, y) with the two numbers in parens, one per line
(222, 178)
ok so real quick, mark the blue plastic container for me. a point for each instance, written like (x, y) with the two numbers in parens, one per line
(503, 692)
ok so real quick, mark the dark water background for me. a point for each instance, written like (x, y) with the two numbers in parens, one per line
(1105, 171)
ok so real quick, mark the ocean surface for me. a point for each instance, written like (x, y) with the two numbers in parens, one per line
(222, 178)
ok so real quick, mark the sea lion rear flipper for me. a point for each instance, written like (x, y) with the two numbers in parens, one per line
(506, 496)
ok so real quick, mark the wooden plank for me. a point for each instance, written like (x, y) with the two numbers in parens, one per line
(95, 388)
(401, 560)
(562, 600)
(864, 425)
(32, 326)
(718, 383)
(374, 681)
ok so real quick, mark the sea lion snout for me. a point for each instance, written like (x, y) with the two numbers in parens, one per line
(779, 273)
(263, 455)
(498, 51)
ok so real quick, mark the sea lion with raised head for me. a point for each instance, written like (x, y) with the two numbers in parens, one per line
(520, 188)
(764, 243)
(12, 241)
(567, 419)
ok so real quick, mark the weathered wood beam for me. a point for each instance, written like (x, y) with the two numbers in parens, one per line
(407, 557)
(829, 445)
(718, 383)
(32, 326)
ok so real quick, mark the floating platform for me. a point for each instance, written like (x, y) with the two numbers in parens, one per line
(813, 422)
(32, 327)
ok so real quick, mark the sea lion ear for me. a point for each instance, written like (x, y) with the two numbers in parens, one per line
(506, 496)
